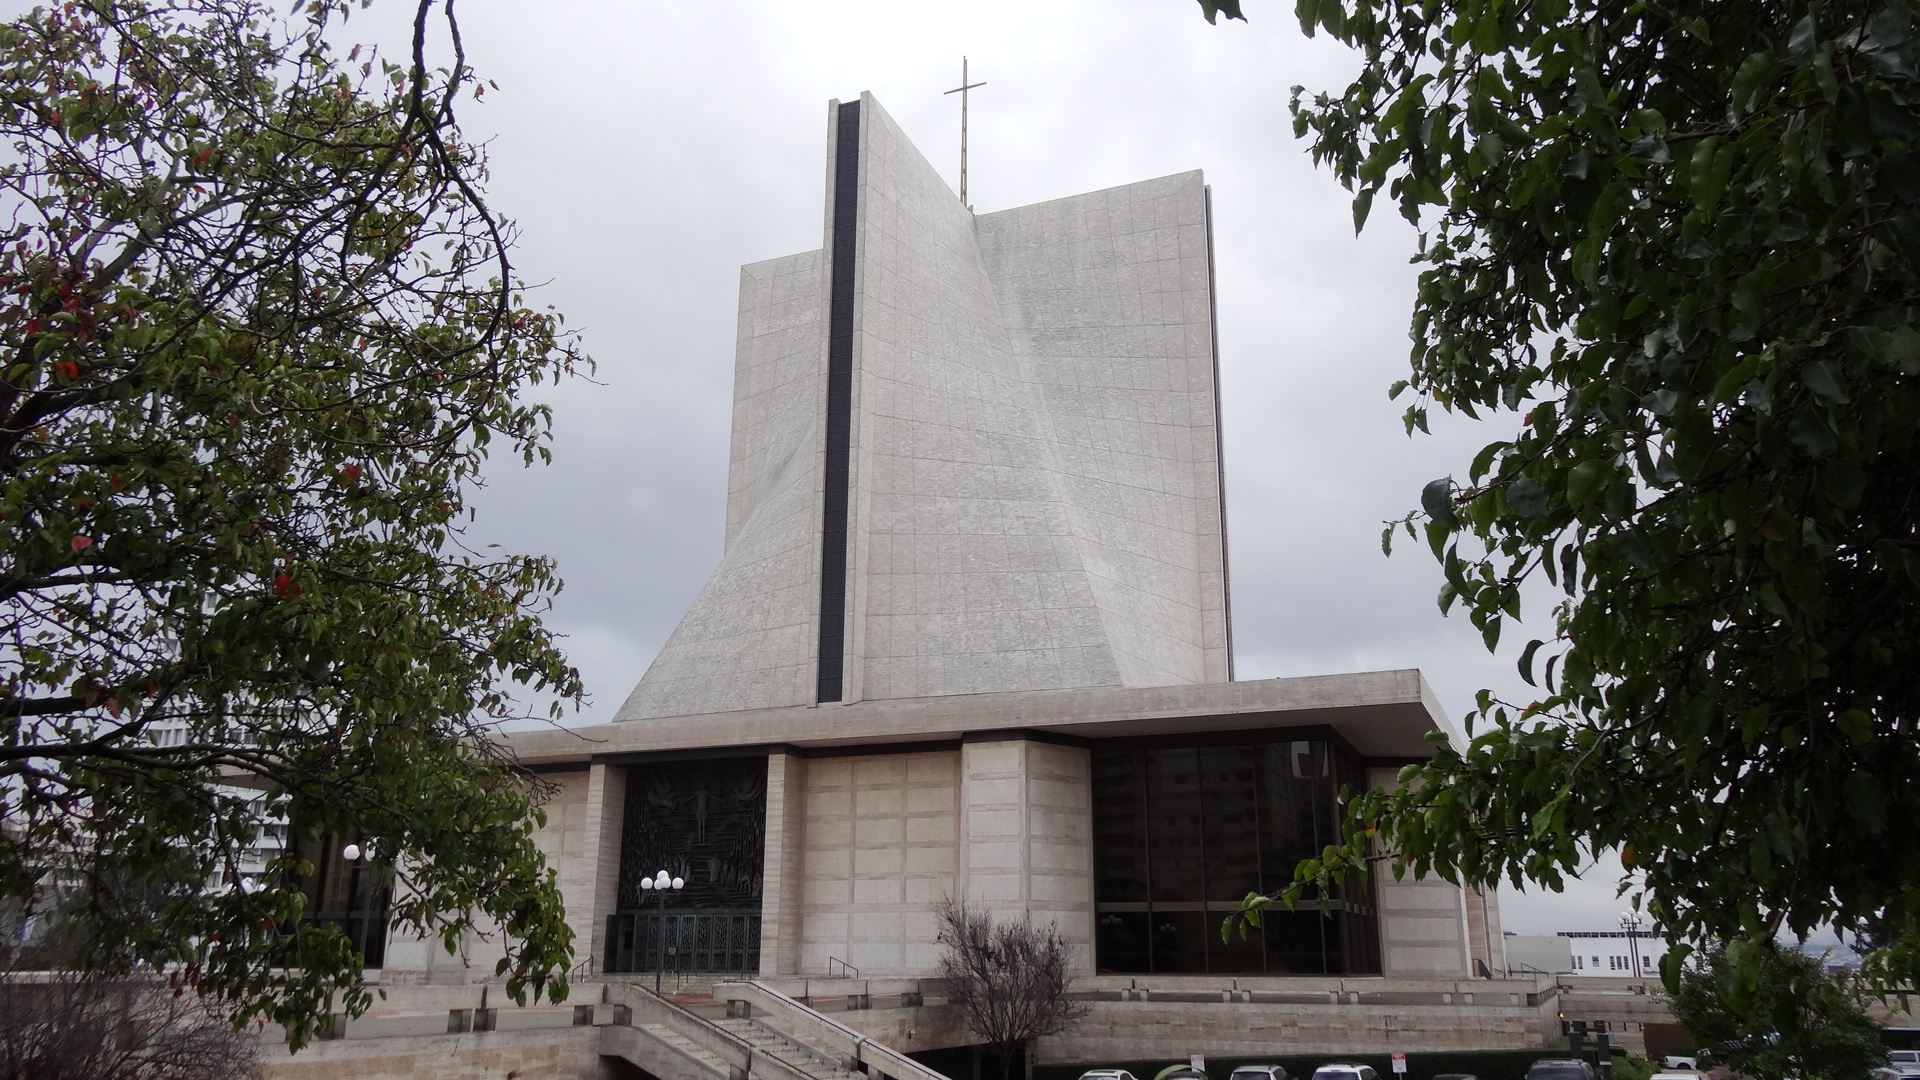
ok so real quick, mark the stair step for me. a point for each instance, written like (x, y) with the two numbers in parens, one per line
(686, 1046)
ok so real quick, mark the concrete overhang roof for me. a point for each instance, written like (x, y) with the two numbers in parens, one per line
(1383, 715)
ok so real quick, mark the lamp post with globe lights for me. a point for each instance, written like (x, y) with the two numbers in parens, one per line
(660, 883)
(1630, 922)
(360, 929)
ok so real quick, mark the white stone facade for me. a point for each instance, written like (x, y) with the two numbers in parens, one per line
(1035, 486)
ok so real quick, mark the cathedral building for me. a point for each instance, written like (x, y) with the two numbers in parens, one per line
(971, 639)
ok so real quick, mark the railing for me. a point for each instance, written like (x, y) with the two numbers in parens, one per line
(847, 971)
(816, 1030)
(642, 941)
(738, 1054)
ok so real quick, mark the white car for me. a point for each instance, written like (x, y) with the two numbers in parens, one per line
(1345, 1072)
(1902, 1065)
(1680, 1061)
(1106, 1074)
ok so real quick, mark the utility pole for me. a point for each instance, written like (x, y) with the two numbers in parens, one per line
(962, 91)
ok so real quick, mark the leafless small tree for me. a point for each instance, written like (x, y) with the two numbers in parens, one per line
(1009, 980)
(64, 1026)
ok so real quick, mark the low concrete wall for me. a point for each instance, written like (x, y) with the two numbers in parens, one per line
(1133, 1030)
(571, 1053)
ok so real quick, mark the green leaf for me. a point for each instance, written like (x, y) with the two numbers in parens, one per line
(1867, 801)
(1437, 500)
(1527, 497)
(1820, 379)
(1585, 482)
(1526, 660)
(1214, 8)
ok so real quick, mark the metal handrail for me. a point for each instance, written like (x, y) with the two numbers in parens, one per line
(737, 1052)
(844, 967)
(844, 1040)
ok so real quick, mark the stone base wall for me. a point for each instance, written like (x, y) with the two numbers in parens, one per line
(564, 1054)
(1133, 1030)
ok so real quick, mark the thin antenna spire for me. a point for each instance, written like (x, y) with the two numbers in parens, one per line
(962, 91)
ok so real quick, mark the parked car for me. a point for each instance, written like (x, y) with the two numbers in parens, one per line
(1180, 1072)
(1680, 1061)
(1106, 1074)
(1903, 1064)
(1561, 1069)
(1258, 1072)
(1339, 1071)
(1674, 1074)
(1454, 1076)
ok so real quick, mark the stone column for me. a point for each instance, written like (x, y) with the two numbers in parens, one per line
(1027, 834)
(1423, 921)
(783, 866)
(605, 815)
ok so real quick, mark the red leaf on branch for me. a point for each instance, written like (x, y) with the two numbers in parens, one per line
(80, 543)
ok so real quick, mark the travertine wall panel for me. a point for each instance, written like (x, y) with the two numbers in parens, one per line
(565, 842)
(881, 837)
(965, 576)
(1423, 921)
(1150, 1029)
(1110, 297)
(748, 641)
(565, 1054)
(1028, 825)
(784, 866)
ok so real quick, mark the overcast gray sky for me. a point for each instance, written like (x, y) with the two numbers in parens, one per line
(648, 149)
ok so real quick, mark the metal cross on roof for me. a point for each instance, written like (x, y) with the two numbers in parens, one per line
(962, 91)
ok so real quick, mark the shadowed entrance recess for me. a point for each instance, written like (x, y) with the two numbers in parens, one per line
(704, 821)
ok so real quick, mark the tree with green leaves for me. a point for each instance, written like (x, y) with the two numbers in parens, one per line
(260, 334)
(1674, 249)
(1776, 1014)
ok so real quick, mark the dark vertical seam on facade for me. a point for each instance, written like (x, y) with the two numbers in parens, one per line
(1146, 846)
(1219, 438)
(833, 522)
(1200, 801)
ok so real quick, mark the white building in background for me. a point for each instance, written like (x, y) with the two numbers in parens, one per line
(1610, 953)
(1618, 953)
(267, 844)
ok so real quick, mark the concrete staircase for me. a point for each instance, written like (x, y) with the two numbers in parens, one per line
(685, 1046)
(783, 1048)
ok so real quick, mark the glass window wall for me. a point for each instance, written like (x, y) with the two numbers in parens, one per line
(1183, 833)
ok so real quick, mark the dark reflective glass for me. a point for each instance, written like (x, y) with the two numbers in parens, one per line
(1176, 842)
(1120, 941)
(1188, 831)
(1119, 828)
(1180, 940)
(1237, 955)
(1296, 941)
(1231, 799)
